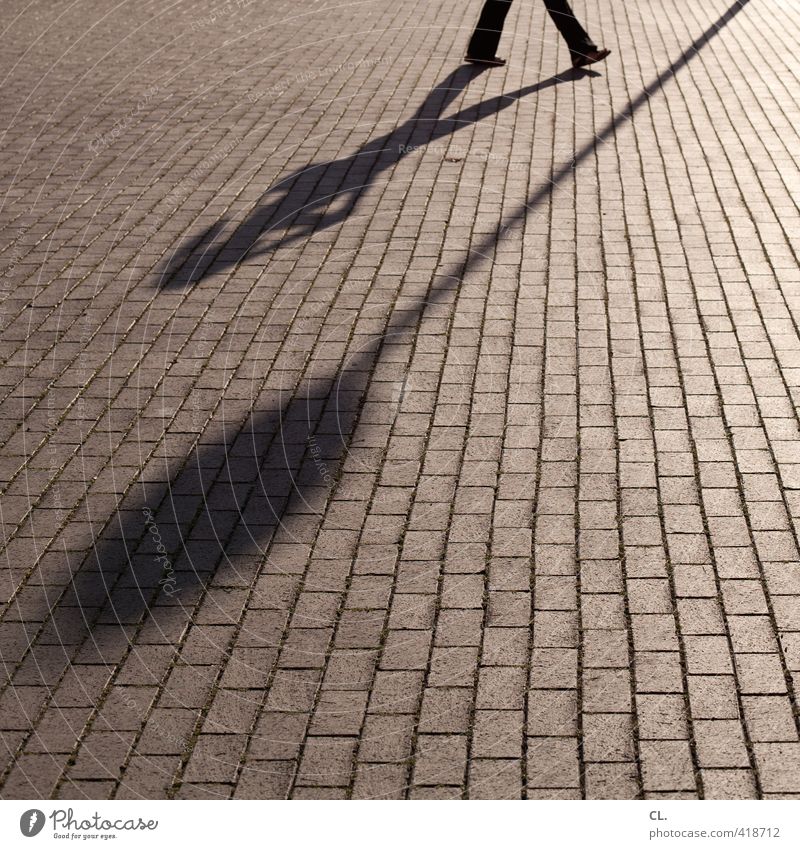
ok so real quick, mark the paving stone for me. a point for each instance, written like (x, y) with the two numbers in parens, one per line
(440, 760)
(667, 766)
(552, 763)
(495, 779)
(326, 761)
(611, 781)
(380, 781)
(777, 764)
(728, 784)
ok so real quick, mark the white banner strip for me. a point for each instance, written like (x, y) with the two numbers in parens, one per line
(399, 825)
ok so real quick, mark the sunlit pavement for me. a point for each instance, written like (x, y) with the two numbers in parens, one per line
(375, 426)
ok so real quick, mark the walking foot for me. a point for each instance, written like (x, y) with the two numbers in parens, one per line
(580, 60)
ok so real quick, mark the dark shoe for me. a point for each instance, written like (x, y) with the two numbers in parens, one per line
(489, 60)
(580, 60)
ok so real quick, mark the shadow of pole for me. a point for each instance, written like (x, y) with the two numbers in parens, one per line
(611, 126)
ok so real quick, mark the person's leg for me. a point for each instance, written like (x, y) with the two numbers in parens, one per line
(564, 18)
(484, 41)
(578, 40)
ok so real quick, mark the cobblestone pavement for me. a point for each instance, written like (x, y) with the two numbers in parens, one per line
(374, 426)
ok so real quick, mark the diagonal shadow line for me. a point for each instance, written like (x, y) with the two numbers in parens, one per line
(610, 127)
(265, 475)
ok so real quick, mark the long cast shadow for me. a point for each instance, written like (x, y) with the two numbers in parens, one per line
(322, 195)
(223, 506)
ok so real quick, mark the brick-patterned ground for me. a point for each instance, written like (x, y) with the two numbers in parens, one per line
(374, 426)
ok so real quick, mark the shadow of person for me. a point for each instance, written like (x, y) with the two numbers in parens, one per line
(321, 195)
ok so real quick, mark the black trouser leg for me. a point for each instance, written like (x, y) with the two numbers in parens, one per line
(574, 34)
(486, 37)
